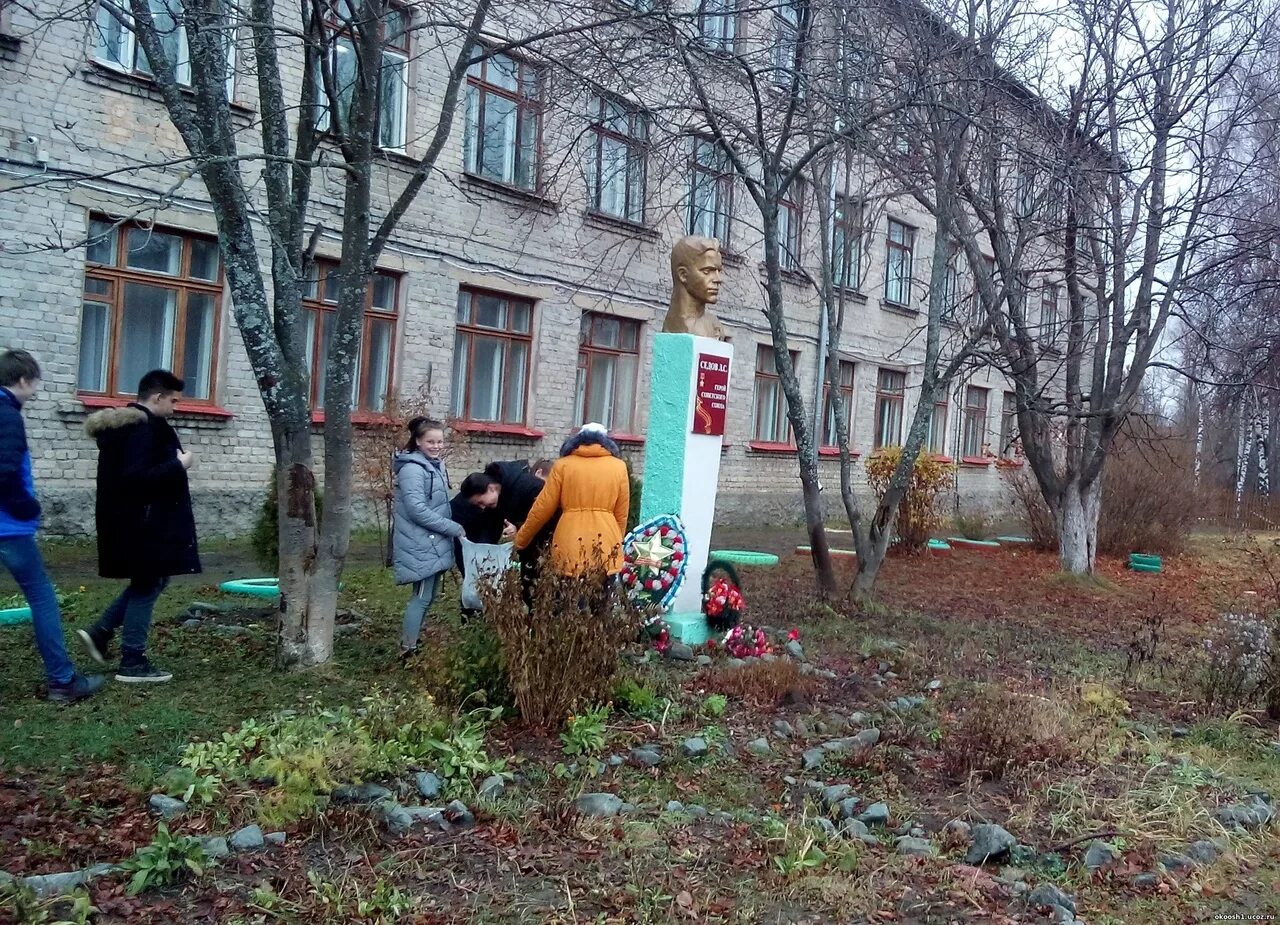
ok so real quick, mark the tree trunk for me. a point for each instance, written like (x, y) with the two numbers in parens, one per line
(1078, 526)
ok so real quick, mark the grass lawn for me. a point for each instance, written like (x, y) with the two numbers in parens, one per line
(1061, 710)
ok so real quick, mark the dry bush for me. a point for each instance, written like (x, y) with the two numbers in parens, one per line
(1147, 493)
(918, 514)
(764, 684)
(562, 653)
(1000, 730)
(1029, 503)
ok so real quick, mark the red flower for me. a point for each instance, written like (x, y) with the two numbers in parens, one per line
(677, 557)
(793, 635)
(665, 531)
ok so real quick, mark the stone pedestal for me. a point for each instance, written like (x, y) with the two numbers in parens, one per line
(682, 455)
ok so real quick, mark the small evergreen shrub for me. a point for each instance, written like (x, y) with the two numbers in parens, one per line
(265, 538)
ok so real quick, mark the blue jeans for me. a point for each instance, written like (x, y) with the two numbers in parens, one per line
(132, 611)
(415, 612)
(21, 557)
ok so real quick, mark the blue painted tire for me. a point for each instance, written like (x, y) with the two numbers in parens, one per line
(15, 615)
(253, 587)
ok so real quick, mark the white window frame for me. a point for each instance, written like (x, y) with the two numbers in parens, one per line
(125, 56)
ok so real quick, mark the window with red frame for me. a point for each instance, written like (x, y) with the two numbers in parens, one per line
(608, 368)
(830, 434)
(846, 242)
(343, 70)
(491, 353)
(503, 128)
(789, 217)
(974, 434)
(1009, 448)
(616, 169)
(899, 245)
(152, 300)
(891, 391)
(710, 192)
(771, 424)
(372, 382)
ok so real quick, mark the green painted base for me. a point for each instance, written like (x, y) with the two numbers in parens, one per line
(689, 628)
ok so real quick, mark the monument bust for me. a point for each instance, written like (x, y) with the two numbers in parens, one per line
(696, 272)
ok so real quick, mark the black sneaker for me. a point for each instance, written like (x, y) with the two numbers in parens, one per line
(98, 646)
(78, 688)
(142, 673)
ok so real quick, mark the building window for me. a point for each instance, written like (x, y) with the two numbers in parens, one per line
(786, 47)
(1025, 186)
(393, 100)
(891, 390)
(151, 301)
(830, 433)
(116, 46)
(937, 441)
(846, 242)
(1049, 320)
(789, 227)
(771, 423)
(491, 357)
(897, 274)
(718, 23)
(953, 309)
(504, 121)
(1009, 426)
(616, 171)
(974, 437)
(372, 380)
(608, 367)
(710, 192)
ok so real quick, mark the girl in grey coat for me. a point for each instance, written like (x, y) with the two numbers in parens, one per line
(423, 534)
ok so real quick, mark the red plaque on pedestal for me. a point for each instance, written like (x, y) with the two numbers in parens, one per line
(712, 396)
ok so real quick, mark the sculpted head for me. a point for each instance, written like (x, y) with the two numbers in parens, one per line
(697, 268)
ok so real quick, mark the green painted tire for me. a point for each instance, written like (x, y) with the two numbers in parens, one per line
(254, 587)
(15, 615)
(742, 557)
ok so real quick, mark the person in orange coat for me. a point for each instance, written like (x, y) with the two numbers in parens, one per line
(588, 487)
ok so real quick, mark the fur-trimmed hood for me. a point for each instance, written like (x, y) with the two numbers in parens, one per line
(590, 438)
(108, 419)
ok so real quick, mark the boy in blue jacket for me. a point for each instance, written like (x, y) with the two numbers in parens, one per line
(19, 520)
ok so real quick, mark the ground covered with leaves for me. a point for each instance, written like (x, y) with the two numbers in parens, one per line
(850, 776)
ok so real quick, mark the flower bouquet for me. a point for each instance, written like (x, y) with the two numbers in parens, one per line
(723, 604)
(745, 641)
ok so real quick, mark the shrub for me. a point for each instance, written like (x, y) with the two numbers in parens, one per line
(1028, 502)
(167, 858)
(472, 670)
(1000, 730)
(584, 734)
(918, 514)
(1238, 656)
(562, 652)
(265, 538)
(975, 525)
(1147, 492)
(763, 684)
(634, 698)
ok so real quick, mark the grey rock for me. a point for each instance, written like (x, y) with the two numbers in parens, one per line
(1176, 863)
(727, 750)
(458, 814)
(493, 787)
(247, 839)
(768, 658)
(364, 793)
(1252, 815)
(934, 685)
(916, 847)
(695, 747)
(890, 676)
(1203, 852)
(646, 756)
(679, 652)
(675, 806)
(166, 807)
(831, 796)
(192, 624)
(231, 629)
(1046, 894)
(626, 809)
(346, 629)
(1099, 855)
(813, 758)
(852, 828)
(276, 839)
(734, 663)
(723, 818)
(696, 811)
(394, 816)
(215, 846)
(704, 661)
(429, 785)
(826, 825)
(616, 761)
(599, 805)
(759, 747)
(804, 728)
(916, 831)
(847, 808)
(1063, 916)
(857, 744)
(1147, 881)
(883, 666)
(990, 842)
(47, 885)
(795, 650)
(875, 814)
(825, 674)
(837, 723)
(783, 729)
(958, 829)
(428, 815)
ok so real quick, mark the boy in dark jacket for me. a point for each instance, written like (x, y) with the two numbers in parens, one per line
(521, 483)
(475, 508)
(146, 528)
(19, 521)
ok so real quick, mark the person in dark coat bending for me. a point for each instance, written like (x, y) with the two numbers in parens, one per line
(475, 508)
(146, 528)
(522, 482)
